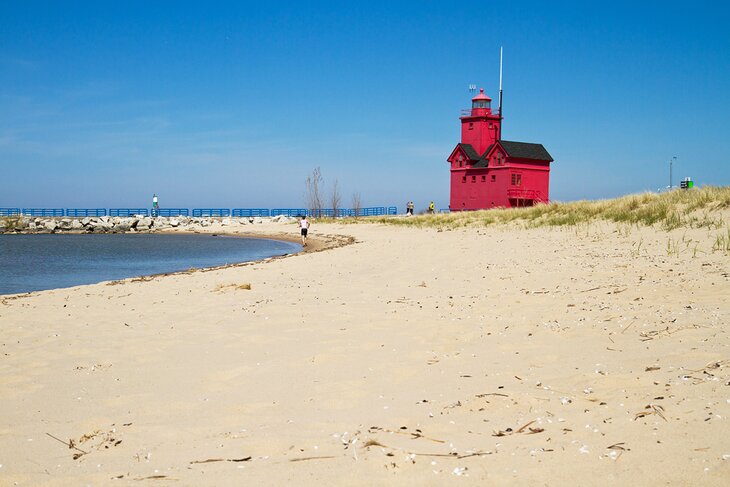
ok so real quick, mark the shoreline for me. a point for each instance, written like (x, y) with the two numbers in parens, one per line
(315, 244)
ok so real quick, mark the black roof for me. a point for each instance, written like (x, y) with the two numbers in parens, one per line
(526, 150)
(521, 150)
(471, 153)
(483, 161)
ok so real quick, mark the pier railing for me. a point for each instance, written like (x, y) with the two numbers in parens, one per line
(250, 212)
(200, 212)
(172, 212)
(43, 211)
(211, 212)
(289, 212)
(129, 212)
(77, 212)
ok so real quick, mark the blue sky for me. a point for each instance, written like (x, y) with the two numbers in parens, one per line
(233, 104)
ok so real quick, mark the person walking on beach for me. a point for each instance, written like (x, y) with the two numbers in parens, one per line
(304, 225)
(409, 208)
(431, 207)
(155, 205)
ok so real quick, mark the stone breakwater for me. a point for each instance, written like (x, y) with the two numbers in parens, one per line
(107, 224)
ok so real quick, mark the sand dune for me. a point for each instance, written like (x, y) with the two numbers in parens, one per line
(493, 356)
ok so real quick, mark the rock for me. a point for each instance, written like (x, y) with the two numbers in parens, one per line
(226, 222)
(86, 221)
(174, 222)
(144, 223)
(76, 225)
(160, 223)
(50, 225)
(121, 227)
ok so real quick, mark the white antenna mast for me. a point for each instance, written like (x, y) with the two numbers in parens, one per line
(500, 82)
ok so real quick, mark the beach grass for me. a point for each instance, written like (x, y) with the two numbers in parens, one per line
(694, 208)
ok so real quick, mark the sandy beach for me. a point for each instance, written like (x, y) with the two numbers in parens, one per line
(585, 355)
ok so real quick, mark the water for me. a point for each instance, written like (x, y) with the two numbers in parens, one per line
(38, 262)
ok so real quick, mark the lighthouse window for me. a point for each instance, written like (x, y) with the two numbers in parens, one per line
(473, 179)
(517, 180)
(463, 179)
(494, 178)
(471, 125)
(484, 179)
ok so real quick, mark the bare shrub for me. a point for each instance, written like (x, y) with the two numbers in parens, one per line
(314, 192)
(356, 203)
(335, 198)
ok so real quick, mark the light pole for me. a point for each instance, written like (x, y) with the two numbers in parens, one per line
(670, 170)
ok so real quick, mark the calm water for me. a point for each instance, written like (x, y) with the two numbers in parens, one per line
(37, 262)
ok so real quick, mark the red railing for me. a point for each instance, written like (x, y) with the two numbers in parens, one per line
(525, 194)
(469, 112)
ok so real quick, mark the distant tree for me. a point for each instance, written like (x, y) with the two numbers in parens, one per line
(356, 204)
(335, 197)
(314, 192)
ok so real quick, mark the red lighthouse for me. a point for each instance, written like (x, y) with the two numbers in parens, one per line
(488, 172)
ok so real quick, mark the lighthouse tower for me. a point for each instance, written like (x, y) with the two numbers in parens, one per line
(487, 171)
(480, 128)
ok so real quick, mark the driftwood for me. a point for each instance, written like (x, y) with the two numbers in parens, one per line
(211, 460)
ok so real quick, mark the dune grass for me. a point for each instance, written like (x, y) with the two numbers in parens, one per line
(695, 208)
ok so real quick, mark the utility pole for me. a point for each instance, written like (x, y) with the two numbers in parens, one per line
(670, 170)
